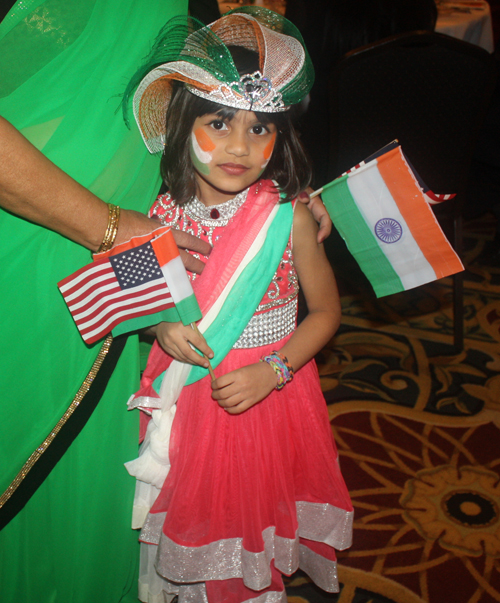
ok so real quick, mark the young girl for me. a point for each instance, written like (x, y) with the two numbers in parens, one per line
(248, 487)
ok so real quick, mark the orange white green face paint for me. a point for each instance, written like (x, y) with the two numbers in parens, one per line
(229, 154)
(201, 150)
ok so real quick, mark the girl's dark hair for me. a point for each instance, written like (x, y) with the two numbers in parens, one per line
(289, 164)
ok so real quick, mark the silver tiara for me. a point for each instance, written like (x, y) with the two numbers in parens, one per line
(252, 92)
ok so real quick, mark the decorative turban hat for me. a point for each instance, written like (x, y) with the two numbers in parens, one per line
(198, 55)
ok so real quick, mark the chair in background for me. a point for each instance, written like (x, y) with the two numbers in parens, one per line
(427, 90)
(331, 29)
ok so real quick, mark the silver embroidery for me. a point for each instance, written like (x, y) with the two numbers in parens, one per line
(197, 221)
(197, 218)
(226, 559)
(322, 572)
(252, 92)
(293, 284)
(151, 530)
(325, 523)
(189, 593)
(269, 327)
(201, 213)
(269, 597)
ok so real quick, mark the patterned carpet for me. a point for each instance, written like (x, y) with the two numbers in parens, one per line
(417, 427)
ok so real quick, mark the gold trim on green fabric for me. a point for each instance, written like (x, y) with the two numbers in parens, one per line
(82, 391)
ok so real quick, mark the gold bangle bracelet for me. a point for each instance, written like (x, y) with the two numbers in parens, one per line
(112, 229)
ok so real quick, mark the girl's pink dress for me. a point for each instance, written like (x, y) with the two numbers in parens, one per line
(252, 496)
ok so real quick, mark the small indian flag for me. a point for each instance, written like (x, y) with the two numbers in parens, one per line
(381, 212)
(175, 275)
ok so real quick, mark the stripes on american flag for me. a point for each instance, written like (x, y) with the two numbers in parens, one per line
(123, 286)
(434, 198)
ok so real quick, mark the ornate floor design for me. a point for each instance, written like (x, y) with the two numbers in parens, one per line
(417, 427)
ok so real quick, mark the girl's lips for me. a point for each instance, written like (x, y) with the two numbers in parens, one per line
(234, 169)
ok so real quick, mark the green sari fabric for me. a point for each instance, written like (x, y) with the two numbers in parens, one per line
(64, 65)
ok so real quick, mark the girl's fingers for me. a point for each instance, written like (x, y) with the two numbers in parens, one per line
(193, 357)
(190, 355)
(183, 352)
(200, 343)
(223, 387)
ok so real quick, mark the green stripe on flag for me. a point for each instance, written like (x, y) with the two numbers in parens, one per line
(148, 320)
(189, 310)
(359, 238)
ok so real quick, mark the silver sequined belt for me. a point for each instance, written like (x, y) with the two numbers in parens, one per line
(269, 327)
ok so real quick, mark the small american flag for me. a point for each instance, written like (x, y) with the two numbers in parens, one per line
(123, 286)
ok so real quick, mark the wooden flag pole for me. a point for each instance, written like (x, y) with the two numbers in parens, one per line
(316, 193)
(210, 369)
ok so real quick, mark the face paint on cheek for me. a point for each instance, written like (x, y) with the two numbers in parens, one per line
(268, 151)
(201, 150)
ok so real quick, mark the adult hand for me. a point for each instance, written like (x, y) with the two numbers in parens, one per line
(133, 224)
(319, 212)
(184, 241)
(34, 188)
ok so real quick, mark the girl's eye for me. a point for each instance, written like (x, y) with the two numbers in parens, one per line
(218, 124)
(259, 129)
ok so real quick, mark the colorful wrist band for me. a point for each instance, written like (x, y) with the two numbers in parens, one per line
(112, 229)
(281, 367)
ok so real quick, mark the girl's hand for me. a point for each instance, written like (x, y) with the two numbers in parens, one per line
(238, 390)
(175, 338)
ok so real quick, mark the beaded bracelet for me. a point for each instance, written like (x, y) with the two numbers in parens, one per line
(281, 367)
(112, 229)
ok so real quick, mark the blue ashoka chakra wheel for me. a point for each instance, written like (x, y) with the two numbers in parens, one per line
(388, 230)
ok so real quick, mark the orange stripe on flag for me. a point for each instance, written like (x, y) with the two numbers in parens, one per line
(165, 248)
(417, 214)
(133, 242)
(204, 140)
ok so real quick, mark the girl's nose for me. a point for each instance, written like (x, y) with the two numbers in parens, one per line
(237, 143)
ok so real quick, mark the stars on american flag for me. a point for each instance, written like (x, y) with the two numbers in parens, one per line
(136, 266)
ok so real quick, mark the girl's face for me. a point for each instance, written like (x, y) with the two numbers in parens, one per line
(229, 154)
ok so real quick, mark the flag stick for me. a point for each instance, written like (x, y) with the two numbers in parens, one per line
(210, 369)
(316, 193)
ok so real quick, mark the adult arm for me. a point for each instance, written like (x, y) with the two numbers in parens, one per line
(34, 188)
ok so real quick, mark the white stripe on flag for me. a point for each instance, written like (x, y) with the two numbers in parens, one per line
(111, 295)
(375, 202)
(92, 283)
(83, 276)
(177, 279)
(99, 291)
